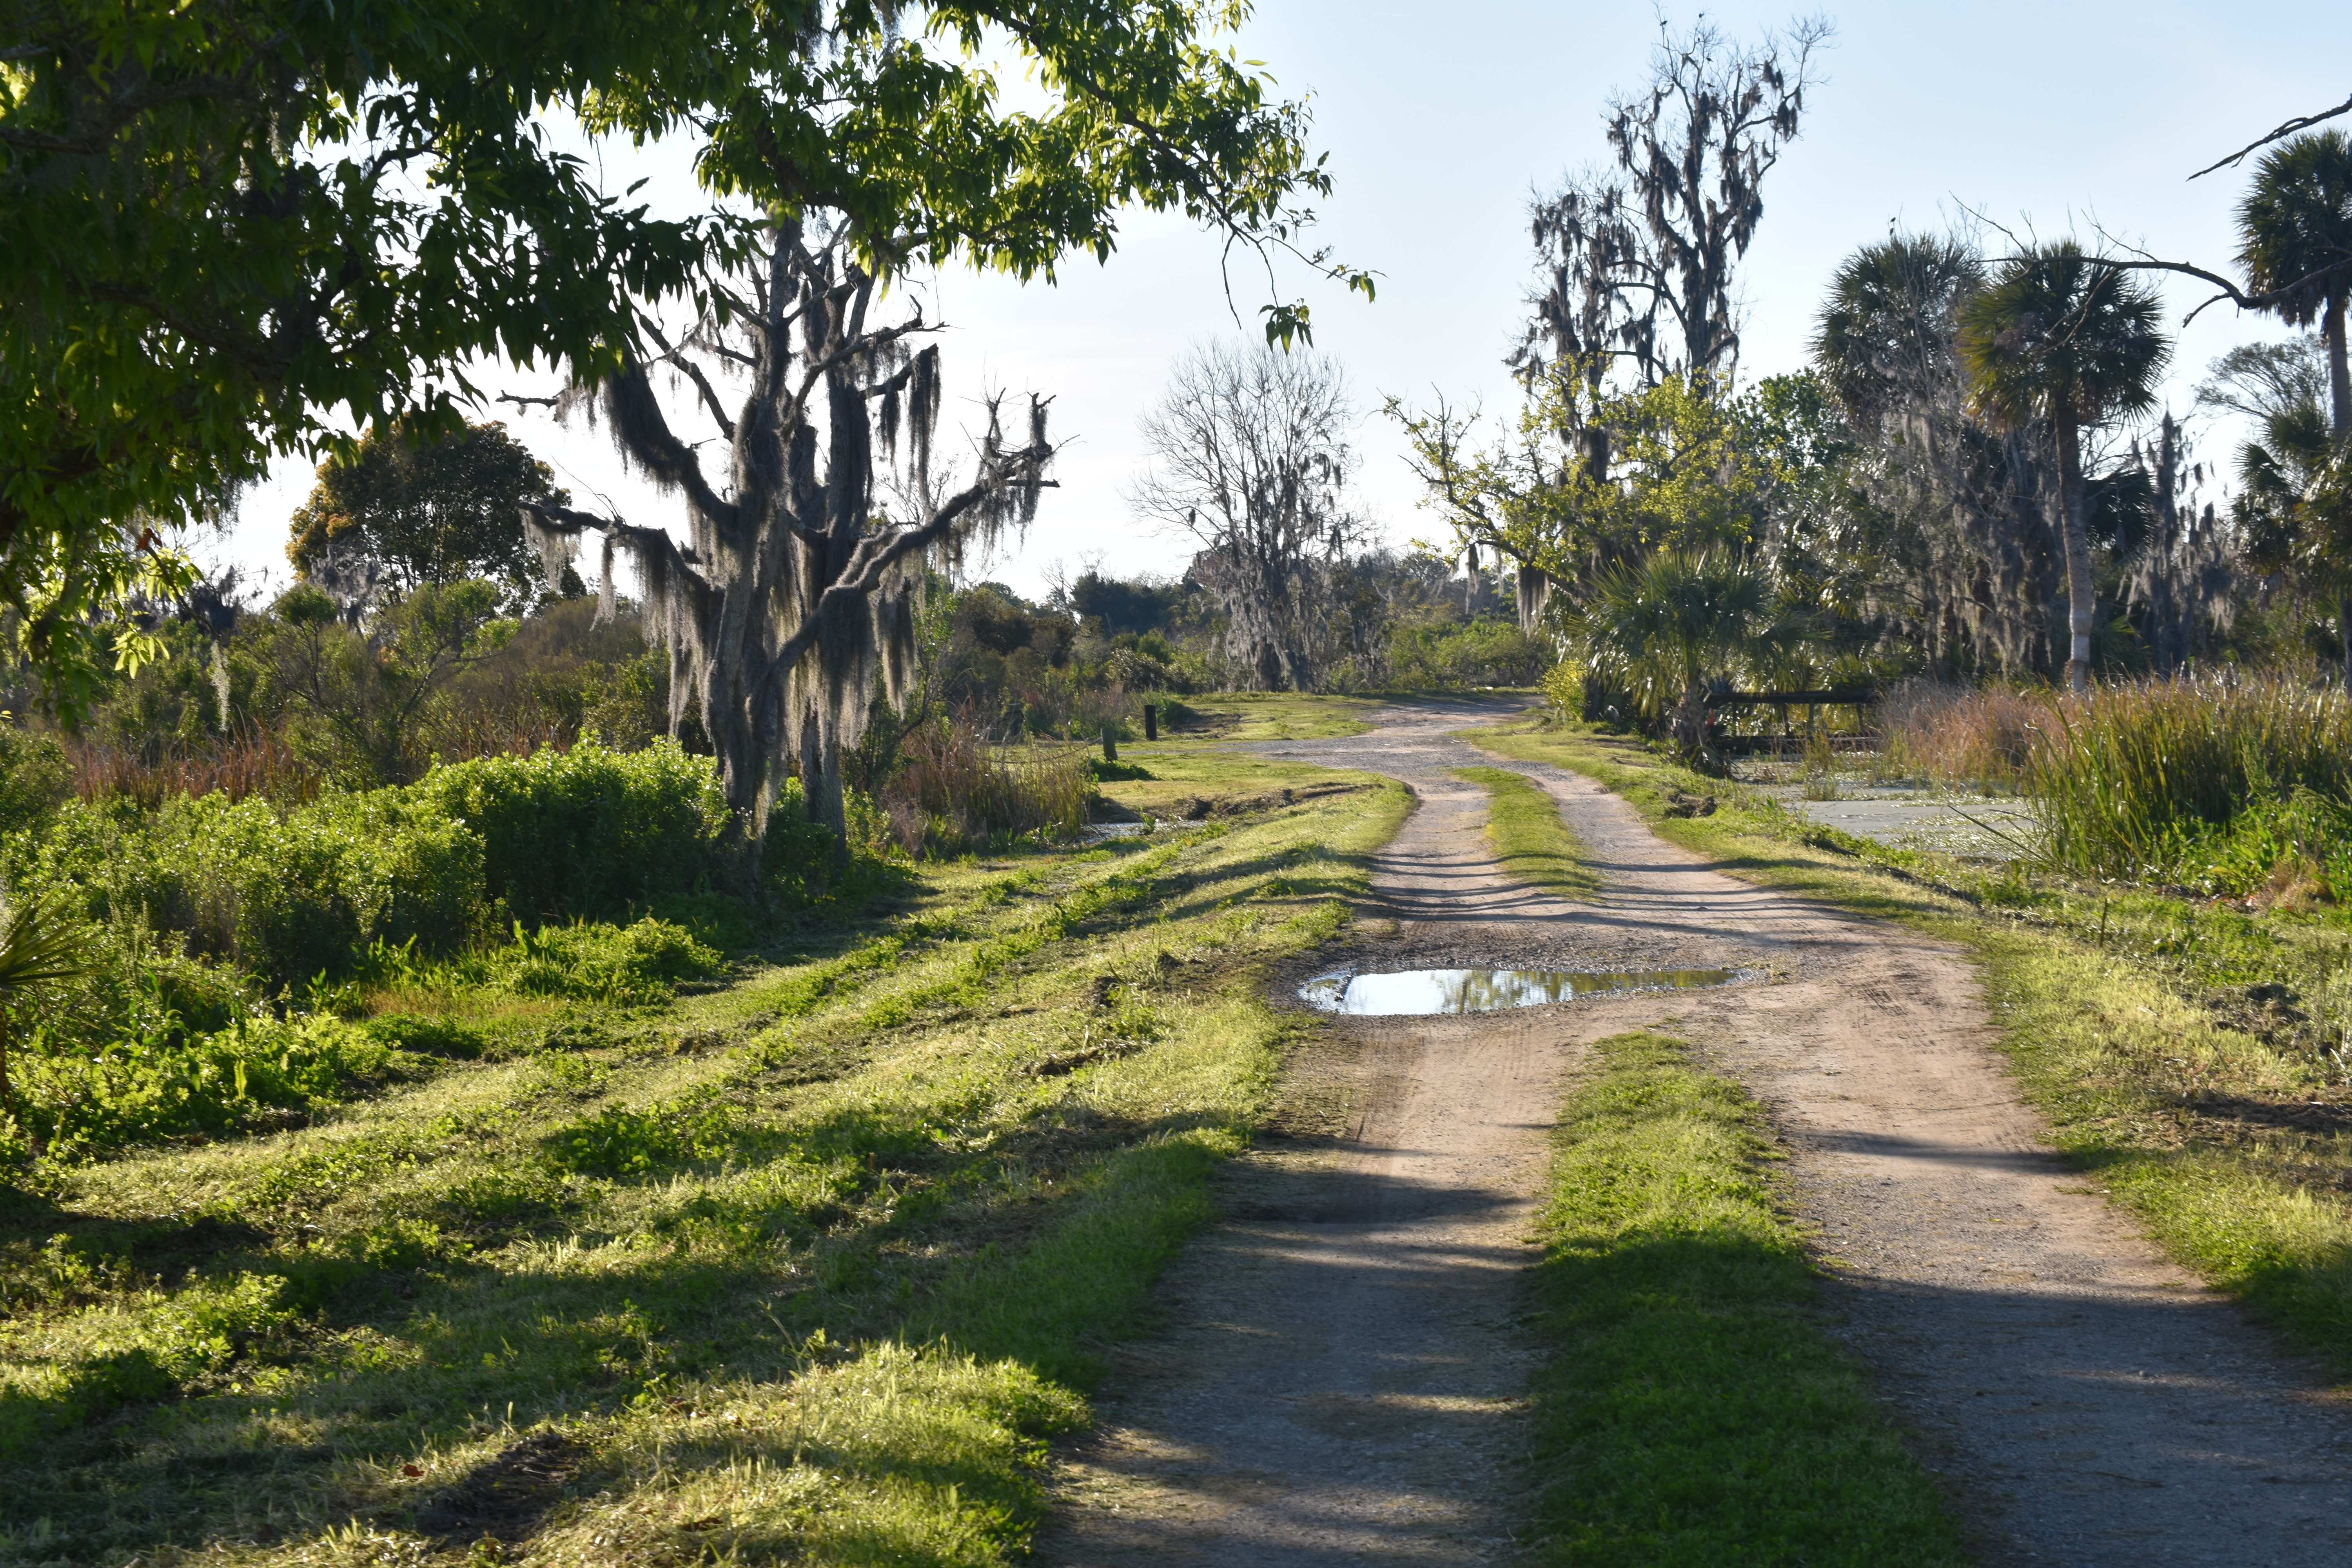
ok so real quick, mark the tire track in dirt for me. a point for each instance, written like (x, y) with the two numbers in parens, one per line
(1341, 1380)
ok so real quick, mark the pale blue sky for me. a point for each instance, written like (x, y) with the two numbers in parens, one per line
(1441, 121)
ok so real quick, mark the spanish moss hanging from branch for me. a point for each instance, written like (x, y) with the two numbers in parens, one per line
(791, 606)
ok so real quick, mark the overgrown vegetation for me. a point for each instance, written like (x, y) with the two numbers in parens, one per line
(805, 1265)
(2193, 1054)
(2240, 786)
(1693, 1411)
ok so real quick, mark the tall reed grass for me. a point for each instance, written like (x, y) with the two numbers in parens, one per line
(2226, 782)
(251, 761)
(2150, 778)
(1976, 738)
(955, 792)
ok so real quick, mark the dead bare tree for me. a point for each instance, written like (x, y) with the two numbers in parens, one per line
(1251, 459)
(1638, 257)
(792, 604)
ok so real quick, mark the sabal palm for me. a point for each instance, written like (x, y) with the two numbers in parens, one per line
(2294, 508)
(2296, 221)
(1886, 329)
(1667, 627)
(2060, 336)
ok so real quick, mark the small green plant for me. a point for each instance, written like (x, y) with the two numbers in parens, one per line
(1821, 767)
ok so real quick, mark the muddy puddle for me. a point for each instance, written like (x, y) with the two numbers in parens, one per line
(1411, 991)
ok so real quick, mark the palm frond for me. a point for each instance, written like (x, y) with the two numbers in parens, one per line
(38, 946)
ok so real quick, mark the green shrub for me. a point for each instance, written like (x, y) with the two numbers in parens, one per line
(588, 832)
(594, 962)
(35, 777)
(300, 896)
(283, 898)
(73, 1100)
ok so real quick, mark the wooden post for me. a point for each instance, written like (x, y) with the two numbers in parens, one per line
(1150, 721)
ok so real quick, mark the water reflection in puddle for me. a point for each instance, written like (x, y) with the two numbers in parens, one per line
(1418, 990)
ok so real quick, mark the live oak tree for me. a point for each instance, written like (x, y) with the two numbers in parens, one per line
(1638, 257)
(871, 145)
(791, 604)
(419, 510)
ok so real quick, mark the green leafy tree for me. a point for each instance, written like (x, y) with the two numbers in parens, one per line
(431, 510)
(229, 226)
(1692, 470)
(355, 699)
(2059, 336)
(224, 223)
(2295, 229)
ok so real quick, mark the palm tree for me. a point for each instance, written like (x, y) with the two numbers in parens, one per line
(1665, 629)
(2294, 508)
(2060, 336)
(2296, 220)
(1885, 332)
(37, 948)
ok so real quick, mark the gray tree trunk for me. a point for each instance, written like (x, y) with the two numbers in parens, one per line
(2074, 529)
(2339, 372)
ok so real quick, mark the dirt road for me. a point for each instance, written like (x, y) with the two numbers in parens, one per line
(1340, 1380)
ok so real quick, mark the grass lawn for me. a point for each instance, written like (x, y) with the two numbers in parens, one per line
(805, 1265)
(1693, 1413)
(2183, 1051)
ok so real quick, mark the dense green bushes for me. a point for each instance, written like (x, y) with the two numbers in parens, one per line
(437, 865)
(222, 937)
(588, 831)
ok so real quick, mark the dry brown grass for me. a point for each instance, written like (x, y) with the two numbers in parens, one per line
(957, 792)
(251, 761)
(1979, 737)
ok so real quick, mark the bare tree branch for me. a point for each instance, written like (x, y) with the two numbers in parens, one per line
(2300, 122)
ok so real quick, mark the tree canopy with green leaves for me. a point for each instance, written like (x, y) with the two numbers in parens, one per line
(427, 511)
(231, 228)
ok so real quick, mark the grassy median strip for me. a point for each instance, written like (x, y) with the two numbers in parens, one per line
(1694, 1412)
(2136, 1021)
(802, 1269)
(1532, 840)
